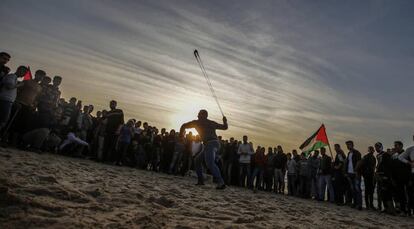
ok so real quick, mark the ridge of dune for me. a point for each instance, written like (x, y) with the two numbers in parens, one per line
(53, 191)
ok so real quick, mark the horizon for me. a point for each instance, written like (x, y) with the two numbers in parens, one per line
(280, 69)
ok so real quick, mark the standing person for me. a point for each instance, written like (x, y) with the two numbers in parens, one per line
(126, 132)
(280, 170)
(207, 131)
(401, 176)
(304, 176)
(177, 155)
(25, 106)
(384, 178)
(196, 148)
(84, 124)
(269, 169)
(325, 176)
(314, 163)
(339, 180)
(4, 59)
(291, 175)
(8, 93)
(258, 172)
(55, 91)
(115, 118)
(228, 160)
(245, 151)
(355, 193)
(407, 158)
(368, 164)
(100, 135)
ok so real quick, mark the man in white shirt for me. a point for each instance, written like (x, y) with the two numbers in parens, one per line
(407, 157)
(8, 93)
(245, 151)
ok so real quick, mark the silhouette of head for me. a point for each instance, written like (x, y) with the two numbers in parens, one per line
(202, 114)
(4, 58)
(371, 149)
(323, 151)
(21, 71)
(46, 80)
(72, 101)
(245, 139)
(378, 147)
(112, 104)
(398, 145)
(279, 149)
(39, 74)
(57, 80)
(349, 145)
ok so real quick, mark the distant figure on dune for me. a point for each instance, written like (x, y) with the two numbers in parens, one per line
(207, 131)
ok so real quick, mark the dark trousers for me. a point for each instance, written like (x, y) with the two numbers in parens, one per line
(401, 194)
(110, 147)
(369, 190)
(304, 186)
(245, 172)
(339, 185)
(121, 152)
(292, 184)
(410, 191)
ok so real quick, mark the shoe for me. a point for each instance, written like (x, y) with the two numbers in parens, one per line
(221, 187)
(199, 183)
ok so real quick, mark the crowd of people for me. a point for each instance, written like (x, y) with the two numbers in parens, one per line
(34, 117)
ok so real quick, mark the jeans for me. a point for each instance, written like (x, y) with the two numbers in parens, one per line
(244, 170)
(314, 186)
(175, 162)
(355, 188)
(279, 181)
(208, 155)
(257, 172)
(325, 180)
(304, 186)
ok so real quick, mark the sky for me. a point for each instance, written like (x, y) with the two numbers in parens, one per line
(280, 68)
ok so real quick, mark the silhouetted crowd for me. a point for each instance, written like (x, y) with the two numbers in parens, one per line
(34, 117)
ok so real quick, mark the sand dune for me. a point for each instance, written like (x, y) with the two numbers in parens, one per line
(51, 191)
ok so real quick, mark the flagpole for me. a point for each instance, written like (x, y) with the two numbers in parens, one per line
(329, 144)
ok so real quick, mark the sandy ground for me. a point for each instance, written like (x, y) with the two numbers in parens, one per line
(51, 191)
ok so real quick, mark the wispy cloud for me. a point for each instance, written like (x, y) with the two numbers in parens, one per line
(279, 68)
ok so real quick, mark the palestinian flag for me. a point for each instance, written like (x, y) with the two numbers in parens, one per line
(318, 140)
(28, 75)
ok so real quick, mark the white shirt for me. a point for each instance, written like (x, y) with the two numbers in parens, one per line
(73, 139)
(350, 165)
(195, 148)
(245, 148)
(408, 157)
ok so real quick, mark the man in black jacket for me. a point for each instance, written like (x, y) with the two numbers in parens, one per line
(401, 176)
(325, 178)
(368, 169)
(354, 195)
(383, 176)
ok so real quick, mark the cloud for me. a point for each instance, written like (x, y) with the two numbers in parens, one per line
(279, 69)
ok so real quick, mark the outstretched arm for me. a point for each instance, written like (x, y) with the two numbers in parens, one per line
(223, 126)
(186, 126)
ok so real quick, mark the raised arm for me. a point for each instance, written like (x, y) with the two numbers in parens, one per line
(186, 126)
(223, 126)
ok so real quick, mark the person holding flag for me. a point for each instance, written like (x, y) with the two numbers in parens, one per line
(25, 104)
